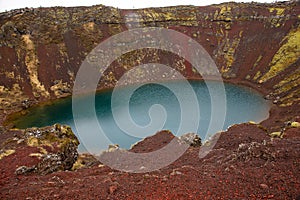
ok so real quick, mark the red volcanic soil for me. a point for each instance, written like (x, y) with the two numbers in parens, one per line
(256, 45)
(241, 166)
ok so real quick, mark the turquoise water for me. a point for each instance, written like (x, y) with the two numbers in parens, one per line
(242, 105)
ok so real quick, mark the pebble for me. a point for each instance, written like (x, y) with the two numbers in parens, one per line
(20, 141)
(264, 186)
(175, 173)
(113, 188)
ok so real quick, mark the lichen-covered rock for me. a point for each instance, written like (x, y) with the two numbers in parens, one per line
(192, 139)
(113, 147)
(249, 151)
(295, 124)
(57, 146)
(85, 160)
(24, 170)
(4, 153)
(277, 134)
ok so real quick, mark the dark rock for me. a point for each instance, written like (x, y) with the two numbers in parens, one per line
(26, 103)
(24, 170)
(2, 129)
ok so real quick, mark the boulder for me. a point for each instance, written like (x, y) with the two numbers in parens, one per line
(192, 139)
(57, 149)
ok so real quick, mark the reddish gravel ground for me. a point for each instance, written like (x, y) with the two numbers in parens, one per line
(244, 164)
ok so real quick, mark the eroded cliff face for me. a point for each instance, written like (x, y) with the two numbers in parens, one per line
(42, 49)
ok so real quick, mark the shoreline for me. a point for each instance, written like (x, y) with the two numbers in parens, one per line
(19, 113)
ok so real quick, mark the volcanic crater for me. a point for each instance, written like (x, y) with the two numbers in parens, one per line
(254, 45)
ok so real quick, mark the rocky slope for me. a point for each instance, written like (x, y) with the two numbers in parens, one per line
(257, 45)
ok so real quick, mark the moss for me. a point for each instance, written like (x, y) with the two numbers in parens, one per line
(61, 89)
(289, 102)
(257, 61)
(89, 34)
(78, 164)
(289, 99)
(227, 49)
(287, 87)
(224, 14)
(295, 124)
(36, 142)
(279, 11)
(288, 54)
(33, 141)
(10, 75)
(60, 135)
(229, 56)
(10, 97)
(39, 155)
(67, 137)
(90, 26)
(292, 77)
(110, 78)
(63, 51)
(279, 19)
(32, 63)
(185, 16)
(276, 134)
(114, 29)
(7, 153)
(64, 152)
(43, 150)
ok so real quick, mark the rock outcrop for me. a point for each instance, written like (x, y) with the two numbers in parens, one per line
(50, 149)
